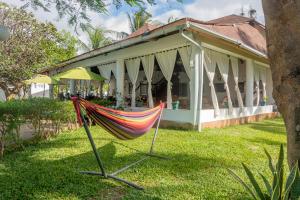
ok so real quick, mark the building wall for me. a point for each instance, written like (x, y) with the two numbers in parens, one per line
(2, 95)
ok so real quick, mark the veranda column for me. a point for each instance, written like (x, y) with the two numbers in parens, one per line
(249, 82)
(194, 86)
(201, 71)
(120, 74)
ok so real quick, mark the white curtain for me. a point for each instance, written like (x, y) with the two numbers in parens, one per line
(210, 66)
(148, 65)
(114, 69)
(166, 61)
(263, 78)
(105, 71)
(223, 65)
(133, 66)
(256, 79)
(185, 54)
(235, 70)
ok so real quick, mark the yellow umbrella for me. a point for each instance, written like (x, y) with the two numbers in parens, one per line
(79, 73)
(39, 78)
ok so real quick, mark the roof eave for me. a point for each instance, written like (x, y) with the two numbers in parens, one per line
(120, 45)
(228, 39)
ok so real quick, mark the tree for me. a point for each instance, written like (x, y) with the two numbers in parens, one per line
(76, 10)
(138, 19)
(31, 45)
(283, 40)
(172, 19)
(99, 37)
(96, 38)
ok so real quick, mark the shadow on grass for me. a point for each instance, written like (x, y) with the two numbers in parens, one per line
(264, 141)
(275, 126)
(25, 176)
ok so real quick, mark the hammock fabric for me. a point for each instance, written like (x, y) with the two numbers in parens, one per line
(121, 124)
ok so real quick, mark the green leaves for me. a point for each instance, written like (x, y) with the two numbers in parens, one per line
(276, 191)
(31, 45)
(248, 189)
(35, 111)
(138, 19)
(253, 182)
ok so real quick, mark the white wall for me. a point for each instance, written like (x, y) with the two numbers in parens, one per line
(209, 115)
(37, 90)
(2, 95)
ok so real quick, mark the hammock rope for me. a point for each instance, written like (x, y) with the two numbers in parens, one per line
(121, 124)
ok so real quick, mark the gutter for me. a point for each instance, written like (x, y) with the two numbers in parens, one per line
(120, 45)
(220, 36)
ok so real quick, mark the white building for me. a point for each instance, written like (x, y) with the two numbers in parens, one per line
(218, 70)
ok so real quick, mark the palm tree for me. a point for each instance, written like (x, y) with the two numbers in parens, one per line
(97, 37)
(138, 19)
(172, 19)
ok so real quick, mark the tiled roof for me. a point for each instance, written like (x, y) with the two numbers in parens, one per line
(230, 19)
(242, 29)
(245, 33)
(144, 29)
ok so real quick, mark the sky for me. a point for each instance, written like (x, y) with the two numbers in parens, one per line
(117, 20)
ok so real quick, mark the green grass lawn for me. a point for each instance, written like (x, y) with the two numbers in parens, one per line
(196, 169)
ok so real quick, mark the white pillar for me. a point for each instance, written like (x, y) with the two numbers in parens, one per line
(194, 87)
(120, 69)
(201, 69)
(72, 87)
(249, 82)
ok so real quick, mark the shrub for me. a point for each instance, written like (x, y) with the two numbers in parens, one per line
(46, 116)
(275, 189)
(103, 102)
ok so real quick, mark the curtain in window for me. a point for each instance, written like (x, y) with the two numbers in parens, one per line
(185, 55)
(133, 66)
(263, 78)
(256, 80)
(148, 65)
(166, 61)
(114, 69)
(223, 65)
(210, 66)
(235, 70)
(105, 71)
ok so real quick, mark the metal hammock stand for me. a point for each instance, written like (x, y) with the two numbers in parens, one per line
(103, 173)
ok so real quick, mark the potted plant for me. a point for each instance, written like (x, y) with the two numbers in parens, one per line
(175, 105)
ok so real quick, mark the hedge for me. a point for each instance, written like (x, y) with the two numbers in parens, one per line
(46, 116)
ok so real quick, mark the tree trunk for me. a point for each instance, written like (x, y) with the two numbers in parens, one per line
(283, 40)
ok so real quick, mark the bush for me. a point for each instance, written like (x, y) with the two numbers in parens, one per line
(276, 188)
(46, 116)
(103, 102)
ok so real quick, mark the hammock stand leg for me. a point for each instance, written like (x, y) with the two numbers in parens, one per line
(100, 163)
(155, 134)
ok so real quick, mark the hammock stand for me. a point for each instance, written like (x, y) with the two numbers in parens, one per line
(103, 173)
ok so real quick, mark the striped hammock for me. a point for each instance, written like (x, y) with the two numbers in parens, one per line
(121, 124)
